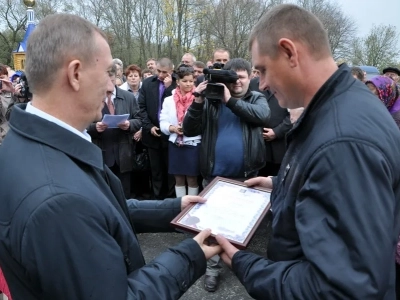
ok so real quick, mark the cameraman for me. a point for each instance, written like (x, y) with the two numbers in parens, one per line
(6, 97)
(232, 142)
(21, 94)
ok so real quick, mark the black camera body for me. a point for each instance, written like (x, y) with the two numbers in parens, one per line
(25, 93)
(216, 75)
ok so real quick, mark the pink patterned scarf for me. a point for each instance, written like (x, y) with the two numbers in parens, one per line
(182, 103)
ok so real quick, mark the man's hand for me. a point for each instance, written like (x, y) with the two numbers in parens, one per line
(186, 200)
(125, 125)
(227, 93)
(153, 131)
(200, 89)
(227, 248)
(6, 86)
(138, 136)
(168, 81)
(100, 126)
(269, 134)
(265, 182)
(17, 90)
(209, 251)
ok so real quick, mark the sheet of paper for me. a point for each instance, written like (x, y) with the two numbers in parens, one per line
(230, 210)
(113, 120)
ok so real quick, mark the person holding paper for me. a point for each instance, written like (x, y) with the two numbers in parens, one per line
(116, 142)
(66, 228)
(335, 201)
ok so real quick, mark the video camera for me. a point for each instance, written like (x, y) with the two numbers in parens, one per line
(216, 75)
(25, 93)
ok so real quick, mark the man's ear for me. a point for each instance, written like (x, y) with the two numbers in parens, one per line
(74, 74)
(289, 50)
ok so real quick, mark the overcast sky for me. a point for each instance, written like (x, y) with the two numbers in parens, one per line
(368, 12)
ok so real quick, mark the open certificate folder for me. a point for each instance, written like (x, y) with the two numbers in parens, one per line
(113, 120)
(232, 210)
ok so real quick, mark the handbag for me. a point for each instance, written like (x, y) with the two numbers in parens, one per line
(141, 161)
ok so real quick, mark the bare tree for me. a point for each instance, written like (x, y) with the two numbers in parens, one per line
(13, 17)
(231, 21)
(378, 48)
(340, 28)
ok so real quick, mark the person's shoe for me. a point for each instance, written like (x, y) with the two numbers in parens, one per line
(211, 283)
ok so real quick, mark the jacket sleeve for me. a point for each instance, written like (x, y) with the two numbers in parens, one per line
(345, 219)
(135, 119)
(146, 123)
(165, 118)
(153, 215)
(283, 128)
(193, 121)
(256, 113)
(67, 244)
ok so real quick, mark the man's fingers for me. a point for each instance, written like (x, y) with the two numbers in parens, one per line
(202, 236)
(211, 251)
(254, 181)
(223, 242)
(196, 199)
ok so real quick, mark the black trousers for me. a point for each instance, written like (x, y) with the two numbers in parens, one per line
(163, 183)
(125, 179)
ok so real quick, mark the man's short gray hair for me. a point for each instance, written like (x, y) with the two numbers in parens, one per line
(57, 38)
(118, 62)
(192, 55)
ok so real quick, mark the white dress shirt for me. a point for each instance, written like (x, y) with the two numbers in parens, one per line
(35, 111)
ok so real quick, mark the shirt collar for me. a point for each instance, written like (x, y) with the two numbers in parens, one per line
(36, 111)
(45, 132)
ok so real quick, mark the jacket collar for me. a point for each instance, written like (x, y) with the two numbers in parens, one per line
(338, 83)
(45, 132)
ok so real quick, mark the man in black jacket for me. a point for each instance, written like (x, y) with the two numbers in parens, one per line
(151, 98)
(66, 228)
(117, 144)
(335, 201)
(274, 135)
(232, 145)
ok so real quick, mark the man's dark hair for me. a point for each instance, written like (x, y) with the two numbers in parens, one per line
(238, 64)
(199, 64)
(358, 72)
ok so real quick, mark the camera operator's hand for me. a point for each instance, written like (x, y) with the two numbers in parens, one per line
(17, 90)
(100, 126)
(200, 89)
(168, 81)
(227, 94)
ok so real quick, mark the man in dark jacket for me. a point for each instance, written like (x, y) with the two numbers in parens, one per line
(151, 98)
(279, 125)
(117, 144)
(66, 229)
(232, 145)
(335, 203)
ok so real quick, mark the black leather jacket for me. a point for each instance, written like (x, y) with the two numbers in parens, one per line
(202, 118)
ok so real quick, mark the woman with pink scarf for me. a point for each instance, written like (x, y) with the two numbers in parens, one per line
(183, 151)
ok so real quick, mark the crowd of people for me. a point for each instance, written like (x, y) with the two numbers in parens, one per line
(76, 189)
